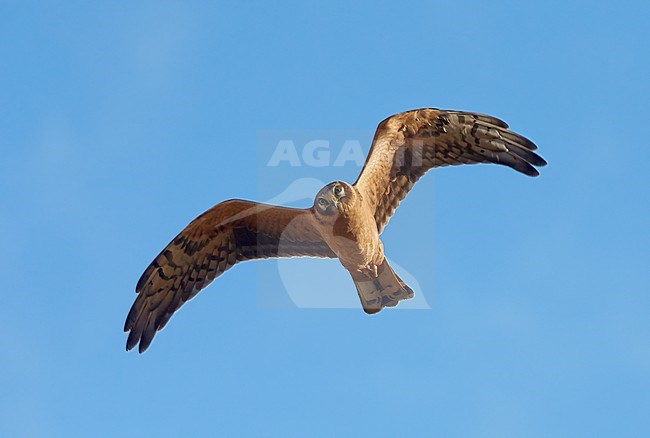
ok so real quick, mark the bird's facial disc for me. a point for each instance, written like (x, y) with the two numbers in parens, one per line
(329, 199)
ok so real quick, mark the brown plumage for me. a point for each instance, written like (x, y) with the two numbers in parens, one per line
(345, 220)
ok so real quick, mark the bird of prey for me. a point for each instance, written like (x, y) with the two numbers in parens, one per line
(344, 222)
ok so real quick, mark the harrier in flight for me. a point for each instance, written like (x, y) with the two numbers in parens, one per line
(344, 222)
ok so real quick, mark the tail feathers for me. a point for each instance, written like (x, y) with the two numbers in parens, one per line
(386, 290)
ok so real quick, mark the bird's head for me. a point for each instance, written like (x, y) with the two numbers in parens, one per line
(333, 199)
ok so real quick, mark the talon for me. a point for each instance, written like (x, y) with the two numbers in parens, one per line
(373, 270)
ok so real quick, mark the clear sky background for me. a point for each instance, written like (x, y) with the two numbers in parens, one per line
(119, 123)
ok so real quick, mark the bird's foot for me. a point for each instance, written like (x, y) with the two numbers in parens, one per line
(369, 271)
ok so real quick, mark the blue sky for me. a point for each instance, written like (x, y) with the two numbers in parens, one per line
(120, 123)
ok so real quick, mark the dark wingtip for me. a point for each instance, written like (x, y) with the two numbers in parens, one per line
(132, 340)
(127, 325)
(133, 312)
(531, 171)
(528, 156)
(130, 345)
(525, 168)
(533, 159)
(145, 340)
(529, 144)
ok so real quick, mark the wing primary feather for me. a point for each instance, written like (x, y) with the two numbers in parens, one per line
(516, 163)
(528, 155)
(148, 332)
(518, 139)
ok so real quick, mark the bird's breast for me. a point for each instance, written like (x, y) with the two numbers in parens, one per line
(355, 241)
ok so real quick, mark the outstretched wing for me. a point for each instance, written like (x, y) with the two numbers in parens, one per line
(228, 233)
(407, 145)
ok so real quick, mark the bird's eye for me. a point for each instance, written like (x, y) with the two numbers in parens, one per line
(338, 190)
(322, 202)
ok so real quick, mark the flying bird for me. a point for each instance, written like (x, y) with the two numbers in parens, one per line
(344, 222)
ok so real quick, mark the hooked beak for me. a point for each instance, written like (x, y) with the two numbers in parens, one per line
(333, 200)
